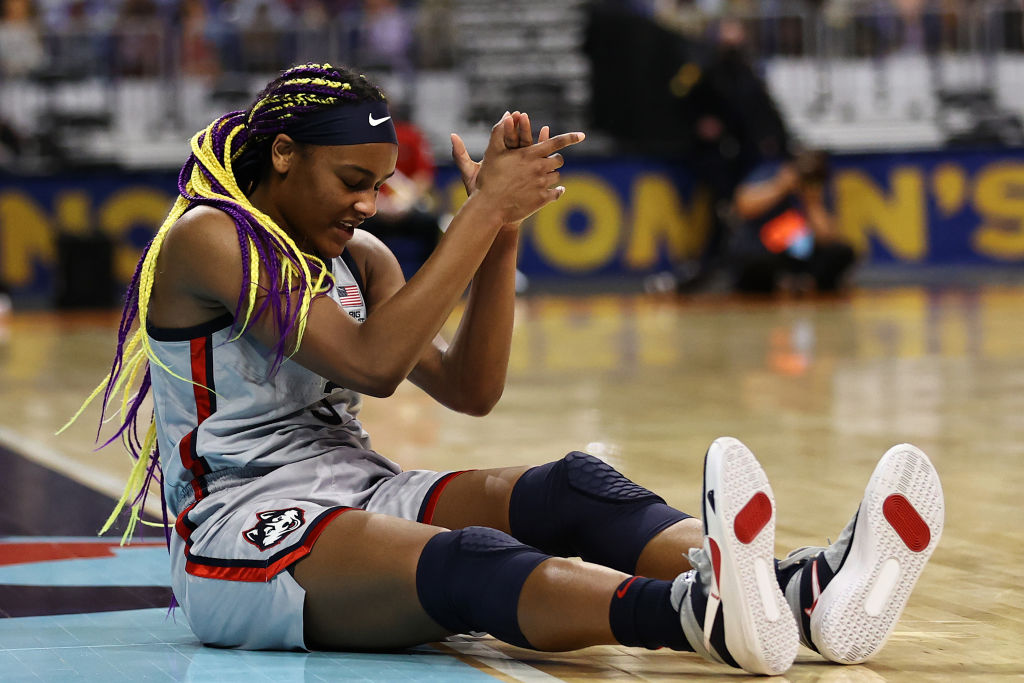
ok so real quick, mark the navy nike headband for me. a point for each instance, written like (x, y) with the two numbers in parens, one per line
(347, 124)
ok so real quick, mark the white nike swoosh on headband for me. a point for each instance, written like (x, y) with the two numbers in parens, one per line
(377, 122)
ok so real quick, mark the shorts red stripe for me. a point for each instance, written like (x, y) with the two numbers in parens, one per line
(435, 494)
(264, 574)
(182, 525)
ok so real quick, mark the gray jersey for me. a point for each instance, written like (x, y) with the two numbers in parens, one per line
(235, 422)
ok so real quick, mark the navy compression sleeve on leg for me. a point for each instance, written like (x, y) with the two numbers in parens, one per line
(581, 505)
(470, 580)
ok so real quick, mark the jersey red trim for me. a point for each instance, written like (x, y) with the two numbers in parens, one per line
(201, 365)
(202, 357)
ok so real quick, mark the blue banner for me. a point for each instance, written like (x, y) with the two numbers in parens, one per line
(618, 216)
(942, 208)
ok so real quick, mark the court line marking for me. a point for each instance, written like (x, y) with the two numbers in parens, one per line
(81, 472)
(497, 660)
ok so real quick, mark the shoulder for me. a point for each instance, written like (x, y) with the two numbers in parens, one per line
(202, 230)
(377, 265)
(368, 250)
(201, 224)
(200, 250)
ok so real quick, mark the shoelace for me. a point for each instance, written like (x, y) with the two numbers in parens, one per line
(703, 575)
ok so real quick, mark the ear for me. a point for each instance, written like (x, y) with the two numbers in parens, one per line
(282, 153)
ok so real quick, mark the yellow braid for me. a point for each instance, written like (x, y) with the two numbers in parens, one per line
(138, 351)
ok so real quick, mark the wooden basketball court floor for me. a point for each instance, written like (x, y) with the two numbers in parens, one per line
(819, 389)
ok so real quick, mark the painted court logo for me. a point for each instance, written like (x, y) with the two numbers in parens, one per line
(272, 527)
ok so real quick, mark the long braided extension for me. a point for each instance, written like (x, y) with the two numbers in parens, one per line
(229, 158)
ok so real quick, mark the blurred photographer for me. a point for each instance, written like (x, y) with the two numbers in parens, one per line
(786, 237)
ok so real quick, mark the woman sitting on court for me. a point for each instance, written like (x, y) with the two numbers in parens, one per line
(263, 311)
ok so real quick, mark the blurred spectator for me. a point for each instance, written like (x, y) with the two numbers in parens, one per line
(312, 20)
(786, 238)
(434, 37)
(77, 40)
(10, 145)
(629, 50)
(386, 37)
(264, 28)
(139, 34)
(732, 124)
(198, 50)
(21, 45)
(405, 219)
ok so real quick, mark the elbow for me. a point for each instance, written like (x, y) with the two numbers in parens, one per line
(744, 207)
(477, 403)
(380, 386)
(378, 390)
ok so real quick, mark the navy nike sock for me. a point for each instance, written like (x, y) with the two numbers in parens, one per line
(641, 614)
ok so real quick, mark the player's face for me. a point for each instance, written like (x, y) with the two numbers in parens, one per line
(329, 190)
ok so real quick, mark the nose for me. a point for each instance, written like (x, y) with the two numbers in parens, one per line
(366, 203)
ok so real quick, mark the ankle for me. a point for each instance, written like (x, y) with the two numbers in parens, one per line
(641, 614)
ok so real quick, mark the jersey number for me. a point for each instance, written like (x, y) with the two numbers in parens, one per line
(324, 411)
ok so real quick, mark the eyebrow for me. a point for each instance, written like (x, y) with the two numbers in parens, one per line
(365, 171)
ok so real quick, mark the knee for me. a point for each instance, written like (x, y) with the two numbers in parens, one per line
(594, 477)
(470, 580)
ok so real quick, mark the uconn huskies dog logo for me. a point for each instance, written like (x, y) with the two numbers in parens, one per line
(273, 526)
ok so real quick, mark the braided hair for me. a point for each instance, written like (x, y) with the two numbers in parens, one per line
(229, 158)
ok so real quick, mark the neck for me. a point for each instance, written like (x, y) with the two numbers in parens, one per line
(260, 198)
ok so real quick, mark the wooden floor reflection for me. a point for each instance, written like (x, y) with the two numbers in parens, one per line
(819, 389)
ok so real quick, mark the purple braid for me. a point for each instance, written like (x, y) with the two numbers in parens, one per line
(286, 100)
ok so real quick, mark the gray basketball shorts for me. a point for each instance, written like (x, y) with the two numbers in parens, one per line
(230, 550)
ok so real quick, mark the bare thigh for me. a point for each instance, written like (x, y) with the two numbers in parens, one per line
(360, 583)
(477, 498)
(360, 578)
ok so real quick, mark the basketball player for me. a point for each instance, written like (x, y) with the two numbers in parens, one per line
(263, 311)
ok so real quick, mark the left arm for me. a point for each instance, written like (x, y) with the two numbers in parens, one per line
(468, 375)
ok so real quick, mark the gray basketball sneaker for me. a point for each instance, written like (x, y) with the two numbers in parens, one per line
(730, 604)
(848, 597)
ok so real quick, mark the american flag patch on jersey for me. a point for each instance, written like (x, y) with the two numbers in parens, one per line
(349, 295)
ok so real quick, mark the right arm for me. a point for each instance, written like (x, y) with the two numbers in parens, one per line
(375, 356)
(755, 198)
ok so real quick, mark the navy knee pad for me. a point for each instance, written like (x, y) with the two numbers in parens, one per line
(470, 580)
(583, 506)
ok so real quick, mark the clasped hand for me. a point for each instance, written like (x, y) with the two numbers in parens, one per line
(517, 175)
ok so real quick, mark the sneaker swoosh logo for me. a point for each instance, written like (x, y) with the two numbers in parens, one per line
(376, 122)
(815, 588)
(621, 592)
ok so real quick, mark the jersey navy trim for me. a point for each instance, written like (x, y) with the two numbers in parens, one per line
(187, 333)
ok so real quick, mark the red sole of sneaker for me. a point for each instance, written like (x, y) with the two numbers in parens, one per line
(753, 517)
(905, 520)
